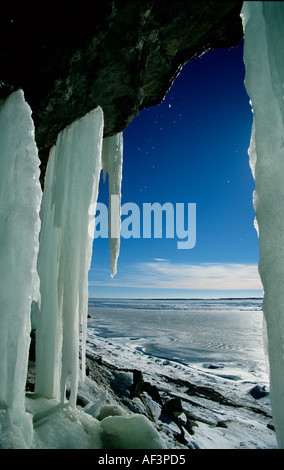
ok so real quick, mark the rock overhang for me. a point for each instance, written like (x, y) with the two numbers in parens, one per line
(70, 56)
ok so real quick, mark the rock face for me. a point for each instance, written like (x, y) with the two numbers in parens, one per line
(69, 56)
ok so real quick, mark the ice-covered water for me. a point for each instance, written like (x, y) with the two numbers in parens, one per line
(224, 335)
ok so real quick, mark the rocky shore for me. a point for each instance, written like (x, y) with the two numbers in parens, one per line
(190, 408)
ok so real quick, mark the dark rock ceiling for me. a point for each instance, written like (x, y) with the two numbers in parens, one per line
(69, 56)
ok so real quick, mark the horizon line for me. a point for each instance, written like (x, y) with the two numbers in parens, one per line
(175, 298)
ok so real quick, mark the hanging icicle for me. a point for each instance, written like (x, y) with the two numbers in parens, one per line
(264, 60)
(71, 187)
(20, 195)
(112, 164)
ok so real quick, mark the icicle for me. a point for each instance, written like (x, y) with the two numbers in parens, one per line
(19, 227)
(112, 164)
(264, 60)
(71, 187)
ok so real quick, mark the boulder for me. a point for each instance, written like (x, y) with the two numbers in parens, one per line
(258, 392)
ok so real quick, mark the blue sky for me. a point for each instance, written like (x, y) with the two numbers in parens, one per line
(191, 148)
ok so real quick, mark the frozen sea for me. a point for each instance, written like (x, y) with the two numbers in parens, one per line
(225, 335)
(205, 355)
(183, 346)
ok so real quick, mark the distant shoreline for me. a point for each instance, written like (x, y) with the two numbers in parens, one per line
(175, 298)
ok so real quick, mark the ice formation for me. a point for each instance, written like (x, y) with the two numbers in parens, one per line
(19, 228)
(47, 238)
(65, 427)
(131, 432)
(112, 164)
(263, 24)
(71, 186)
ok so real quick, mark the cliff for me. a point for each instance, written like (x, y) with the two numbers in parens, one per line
(69, 56)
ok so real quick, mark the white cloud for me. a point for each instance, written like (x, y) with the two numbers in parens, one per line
(164, 274)
(213, 276)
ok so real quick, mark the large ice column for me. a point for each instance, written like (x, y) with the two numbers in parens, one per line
(264, 60)
(20, 195)
(112, 164)
(71, 187)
